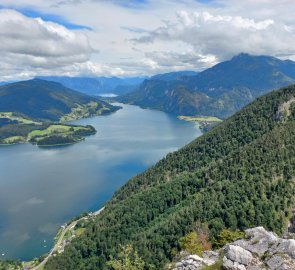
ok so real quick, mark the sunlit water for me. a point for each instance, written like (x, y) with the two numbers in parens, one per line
(40, 189)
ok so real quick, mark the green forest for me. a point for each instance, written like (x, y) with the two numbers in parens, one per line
(238, 175)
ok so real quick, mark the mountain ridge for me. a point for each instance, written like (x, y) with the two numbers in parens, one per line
(44, 100)
(217, 91)
(97, 85)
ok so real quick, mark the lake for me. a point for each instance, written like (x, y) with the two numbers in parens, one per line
(42, 188)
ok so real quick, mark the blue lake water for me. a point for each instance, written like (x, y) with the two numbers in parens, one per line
(40, 189)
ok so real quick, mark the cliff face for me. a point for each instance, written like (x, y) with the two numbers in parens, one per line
(259, 250)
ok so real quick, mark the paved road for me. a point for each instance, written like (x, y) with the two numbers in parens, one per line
(60, 239)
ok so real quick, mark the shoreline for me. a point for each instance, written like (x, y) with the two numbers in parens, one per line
(60, 241)
(61, 144)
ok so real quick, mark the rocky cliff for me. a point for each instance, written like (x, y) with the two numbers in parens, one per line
(259, 250)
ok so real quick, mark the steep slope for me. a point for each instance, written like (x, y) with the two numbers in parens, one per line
(240, 174)
(257, 73)
(99, 85)
(49, 101)
(225, 88)
(160, 95)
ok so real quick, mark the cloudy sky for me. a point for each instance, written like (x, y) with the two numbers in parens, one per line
(137, 37)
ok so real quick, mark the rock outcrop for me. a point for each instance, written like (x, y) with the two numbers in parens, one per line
(259, 250)
(192, 262)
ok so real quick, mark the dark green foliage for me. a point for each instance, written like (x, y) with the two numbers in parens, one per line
(218, 91)
(238, 175)
(85, 132)
(10, 265)
(20, 129)
(44, 100)
(58, 140)
(128, 259)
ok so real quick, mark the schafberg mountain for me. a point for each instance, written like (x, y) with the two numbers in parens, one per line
(238, 175)
(48, 101)
(99, 85)
(218, 91)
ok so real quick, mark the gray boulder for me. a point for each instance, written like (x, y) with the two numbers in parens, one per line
(238, 254)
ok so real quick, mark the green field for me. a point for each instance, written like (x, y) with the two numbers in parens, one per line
(199, 118)
(82, 111)
(204, 122)
(56, 129)
(14, 139)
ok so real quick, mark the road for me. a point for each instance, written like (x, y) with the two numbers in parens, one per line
(60, 240)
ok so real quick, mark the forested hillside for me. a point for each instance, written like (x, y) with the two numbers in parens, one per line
(238, 175)
(49, 101)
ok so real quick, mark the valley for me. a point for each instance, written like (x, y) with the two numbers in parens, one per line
(147, 135)
(201, 183)
(249, 156)
(53, 185)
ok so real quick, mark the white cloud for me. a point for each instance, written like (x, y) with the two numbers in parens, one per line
(156, 62)
(30, 45)
(225, 36)
(170, 35)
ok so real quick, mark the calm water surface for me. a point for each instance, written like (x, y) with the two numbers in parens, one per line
(40, 189)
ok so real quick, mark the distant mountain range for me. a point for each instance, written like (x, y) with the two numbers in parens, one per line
(99, 85)
(218, 91)
(48, 101)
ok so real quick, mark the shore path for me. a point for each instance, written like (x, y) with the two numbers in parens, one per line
(60, 239)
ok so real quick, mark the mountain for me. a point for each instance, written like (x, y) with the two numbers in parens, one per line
(165, 96)
(99, 85)
(49, 101)
(218, 91)
(174, 75)
(238, 175)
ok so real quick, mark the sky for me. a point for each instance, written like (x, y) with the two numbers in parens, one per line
(138, 37)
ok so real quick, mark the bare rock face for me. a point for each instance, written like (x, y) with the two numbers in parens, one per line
(259, 250)
(189, 263)
(194, 262)
(236, 257)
